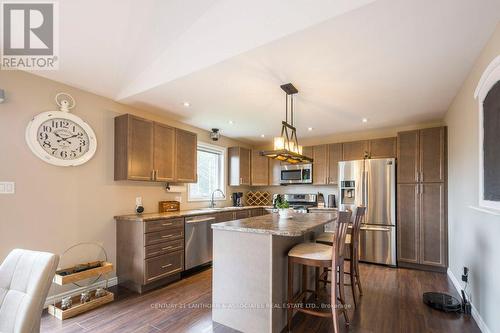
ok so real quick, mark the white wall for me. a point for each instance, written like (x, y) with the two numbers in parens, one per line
(474, 236)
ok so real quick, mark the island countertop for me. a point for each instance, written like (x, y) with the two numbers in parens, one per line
(296, 226)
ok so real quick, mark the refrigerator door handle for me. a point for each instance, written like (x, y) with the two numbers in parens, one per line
(365, 189)
(386, 229)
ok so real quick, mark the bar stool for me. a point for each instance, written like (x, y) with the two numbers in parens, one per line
(352, 240)
(319, 256)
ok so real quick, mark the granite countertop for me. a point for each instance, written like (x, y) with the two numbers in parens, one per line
(324, 209)
(183, 213)
(300, 224)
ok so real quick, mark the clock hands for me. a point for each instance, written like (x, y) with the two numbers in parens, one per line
(65, 138)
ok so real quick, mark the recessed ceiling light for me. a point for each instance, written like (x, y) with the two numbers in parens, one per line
(262, 136)
(186, 104)
(309, 129)
(365, 120)
(230, 122)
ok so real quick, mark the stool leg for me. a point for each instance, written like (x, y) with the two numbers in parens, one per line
(342, 292)
(325, 278)
(316, 283)
(352, 274)
(304, 281)
(356, 269)
(289, 312)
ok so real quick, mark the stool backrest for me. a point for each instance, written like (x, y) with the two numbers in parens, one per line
(343, 221)
(356, 224)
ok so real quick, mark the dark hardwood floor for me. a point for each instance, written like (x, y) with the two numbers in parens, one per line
(391, 303)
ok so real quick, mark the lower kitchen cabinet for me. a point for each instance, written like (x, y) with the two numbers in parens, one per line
(422, 227)
(408, 223)
(241, 214)
(149, 253)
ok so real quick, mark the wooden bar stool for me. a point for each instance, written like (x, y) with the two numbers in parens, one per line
(352, 240)
(319, 256)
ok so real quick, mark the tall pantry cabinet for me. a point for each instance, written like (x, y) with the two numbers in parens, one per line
(422, 199)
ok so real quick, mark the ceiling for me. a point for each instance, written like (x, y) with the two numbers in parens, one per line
(394, 62)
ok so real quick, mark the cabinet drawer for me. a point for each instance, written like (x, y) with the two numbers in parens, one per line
(159, 225)
(163, 248)
(163, 236)
(241, 214)
(256, 212)
(162, 266)
(225, 216)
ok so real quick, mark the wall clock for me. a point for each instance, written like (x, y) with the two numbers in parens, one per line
(59, 137)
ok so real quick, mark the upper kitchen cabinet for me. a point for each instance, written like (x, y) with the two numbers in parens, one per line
(320, 164)
(239, 166)
(186, 158)
(163, 152)
(355, 150)
(259, 169)
(383, 148)
(274, 172)
(422, 155)
(334, 157)
(151, 151)
(408, 156)
(433, 155)
(134, 148)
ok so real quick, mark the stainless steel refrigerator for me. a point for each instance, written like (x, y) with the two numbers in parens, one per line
(372, 183)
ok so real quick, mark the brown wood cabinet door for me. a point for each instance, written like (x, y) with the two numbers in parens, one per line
(259, 169)
(408, 157)
(320, 164)
(334, 157)
(383, 148)
(245, 166)
(433, 239)
(186, 156)
(140, 149)
(355, 150)
(274, 172)
(164, 152)
(408, 227)
(307, 151)
(432, 155)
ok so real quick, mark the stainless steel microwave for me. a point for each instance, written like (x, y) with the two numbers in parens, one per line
(296, 174)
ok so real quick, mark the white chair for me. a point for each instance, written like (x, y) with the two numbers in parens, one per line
(25, 280)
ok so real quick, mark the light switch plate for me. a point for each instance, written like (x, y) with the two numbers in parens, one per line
(7, 187)
(138, 201)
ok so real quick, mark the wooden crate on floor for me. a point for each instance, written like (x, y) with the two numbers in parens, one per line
(78, 307)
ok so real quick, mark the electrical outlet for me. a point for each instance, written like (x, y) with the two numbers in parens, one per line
(7, 187)
(178, 198)
(465, 275)
(138, 201)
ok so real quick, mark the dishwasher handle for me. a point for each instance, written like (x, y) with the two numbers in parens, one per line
(200, 220)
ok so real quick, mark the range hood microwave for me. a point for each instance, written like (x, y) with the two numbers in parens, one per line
(296, 174)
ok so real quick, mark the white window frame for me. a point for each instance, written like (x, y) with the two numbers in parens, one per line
(489, 78)
(222, 151)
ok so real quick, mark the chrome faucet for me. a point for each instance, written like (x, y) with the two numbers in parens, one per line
(212, 201)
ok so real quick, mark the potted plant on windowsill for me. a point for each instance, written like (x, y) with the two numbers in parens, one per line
(284, 209)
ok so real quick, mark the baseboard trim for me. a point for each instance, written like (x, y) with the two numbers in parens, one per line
(475, 314)
(56, 298)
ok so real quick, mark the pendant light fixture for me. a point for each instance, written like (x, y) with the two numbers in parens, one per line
(286, 146)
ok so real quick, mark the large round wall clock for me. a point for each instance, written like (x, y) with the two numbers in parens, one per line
(59, 137)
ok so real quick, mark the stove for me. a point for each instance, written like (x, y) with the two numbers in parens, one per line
(299, 202)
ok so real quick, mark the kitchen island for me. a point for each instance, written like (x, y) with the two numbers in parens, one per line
(250, 268)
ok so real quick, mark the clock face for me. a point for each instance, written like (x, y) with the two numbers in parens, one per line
(63, 139)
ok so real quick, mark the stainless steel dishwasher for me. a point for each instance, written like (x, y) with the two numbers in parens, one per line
(198, 240)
